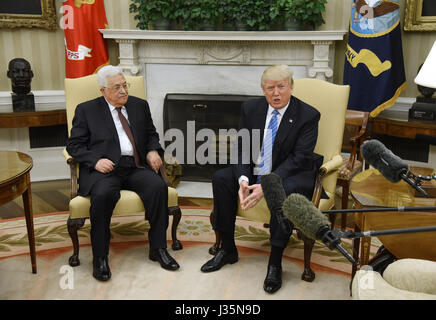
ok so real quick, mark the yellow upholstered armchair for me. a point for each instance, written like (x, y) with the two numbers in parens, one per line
(331, 101)
(80, 90)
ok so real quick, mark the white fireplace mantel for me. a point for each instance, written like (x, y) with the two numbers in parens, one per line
(312, 49)
(218, 62)
(223, 35)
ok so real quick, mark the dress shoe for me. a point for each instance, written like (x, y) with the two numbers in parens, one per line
(166, 261)
(101, 269)
(273, 280)
(220, 259)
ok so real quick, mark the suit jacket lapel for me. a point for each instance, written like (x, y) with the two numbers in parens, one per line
(285, 128)
(107, 118)
(259, 123)
(131, 112)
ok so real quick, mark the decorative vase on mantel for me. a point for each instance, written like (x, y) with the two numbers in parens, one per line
(161, 24)
(291, 24)
(206, 25)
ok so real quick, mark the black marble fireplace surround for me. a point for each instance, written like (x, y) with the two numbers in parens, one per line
(213, 112)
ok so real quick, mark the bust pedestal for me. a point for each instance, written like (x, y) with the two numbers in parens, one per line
(23, 102)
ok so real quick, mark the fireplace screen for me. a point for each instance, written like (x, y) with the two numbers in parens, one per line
(199, 131)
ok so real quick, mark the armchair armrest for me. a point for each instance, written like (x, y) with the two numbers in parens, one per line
(331, 165)
(327, 168)
(163, 172)
(74, 170)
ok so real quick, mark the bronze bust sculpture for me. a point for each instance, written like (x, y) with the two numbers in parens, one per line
(21, 75)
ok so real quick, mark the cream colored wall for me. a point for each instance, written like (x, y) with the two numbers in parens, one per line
(45, 51)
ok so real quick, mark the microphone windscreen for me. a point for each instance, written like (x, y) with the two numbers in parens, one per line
(304, 215)
(273, 191)
(384, 160)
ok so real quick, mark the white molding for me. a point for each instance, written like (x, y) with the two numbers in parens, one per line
(123, 34)
(312, 49)
(44, 100)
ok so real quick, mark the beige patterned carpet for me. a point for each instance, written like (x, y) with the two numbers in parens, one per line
(134, 276)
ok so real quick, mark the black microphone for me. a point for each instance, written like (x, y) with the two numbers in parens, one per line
(390, 166)
(274, 195)
(312, 223)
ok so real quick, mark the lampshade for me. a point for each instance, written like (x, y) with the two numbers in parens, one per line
(427, 75)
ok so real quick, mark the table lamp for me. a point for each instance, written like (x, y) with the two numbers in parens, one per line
(427, 75)
(425, 106)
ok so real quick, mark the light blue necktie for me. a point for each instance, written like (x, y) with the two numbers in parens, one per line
(268, 143)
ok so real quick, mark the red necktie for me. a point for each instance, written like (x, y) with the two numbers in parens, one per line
(128, 131)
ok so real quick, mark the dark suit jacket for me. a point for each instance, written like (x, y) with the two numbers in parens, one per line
(94, 136)
(294, 143)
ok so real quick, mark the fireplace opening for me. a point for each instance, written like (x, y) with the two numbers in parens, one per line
(190, 114)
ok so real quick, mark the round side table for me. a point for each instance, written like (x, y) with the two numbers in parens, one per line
(14, 182)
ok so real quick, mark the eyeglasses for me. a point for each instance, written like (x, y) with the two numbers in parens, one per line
(118, 87)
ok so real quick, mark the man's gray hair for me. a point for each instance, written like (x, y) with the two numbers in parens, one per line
(105, 72)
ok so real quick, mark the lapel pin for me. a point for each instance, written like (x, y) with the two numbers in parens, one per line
(290, 120)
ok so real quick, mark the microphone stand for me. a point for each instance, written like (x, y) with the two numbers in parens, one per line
(381, 209)
(335, 235)
(371, 233)
(415, 181)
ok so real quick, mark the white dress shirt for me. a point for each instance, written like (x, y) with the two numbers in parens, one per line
(125, 144)
(268, 118)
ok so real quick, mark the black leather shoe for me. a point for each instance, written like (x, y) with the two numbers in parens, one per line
(166, 261)
(101, 271)
(273, 280)
(220, 259)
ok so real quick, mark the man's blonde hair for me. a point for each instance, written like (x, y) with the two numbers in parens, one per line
(277, 73)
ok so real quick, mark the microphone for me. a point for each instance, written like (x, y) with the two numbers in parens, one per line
(312, 223)
(390, 166)
(274, 195)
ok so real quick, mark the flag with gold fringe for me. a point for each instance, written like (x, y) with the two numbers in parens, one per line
(374, 66)
(85, 48)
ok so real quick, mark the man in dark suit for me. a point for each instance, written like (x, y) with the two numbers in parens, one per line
(116, 144)
(289, 128)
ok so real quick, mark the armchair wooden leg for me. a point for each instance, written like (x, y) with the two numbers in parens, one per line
(177, 215)
(332, 219)
(214, 249)
(308, 274)
(73, 225)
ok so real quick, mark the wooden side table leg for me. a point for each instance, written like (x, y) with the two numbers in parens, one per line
(357, 255)
(356, 244)
(28, 211)
(365, 248)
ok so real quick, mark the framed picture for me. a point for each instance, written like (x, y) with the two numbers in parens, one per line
(420, 15)
(28, 14)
